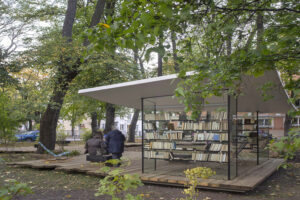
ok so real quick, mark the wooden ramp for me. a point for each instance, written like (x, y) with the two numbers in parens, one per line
(247, 181)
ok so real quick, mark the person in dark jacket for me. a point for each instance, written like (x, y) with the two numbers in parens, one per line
(115, 142)
(96, 145)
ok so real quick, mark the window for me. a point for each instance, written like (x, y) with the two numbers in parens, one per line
(296, 121)
(264, 122)
(103, 126)
(121, 127)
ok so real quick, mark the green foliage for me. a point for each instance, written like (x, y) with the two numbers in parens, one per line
(12, 189)
(86, 135)
(115, 182)
(193, 175)
(61, 137)
(287, 146)
(9, 119)
(74, 153)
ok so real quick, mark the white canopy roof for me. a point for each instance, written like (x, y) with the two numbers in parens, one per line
(129, 94)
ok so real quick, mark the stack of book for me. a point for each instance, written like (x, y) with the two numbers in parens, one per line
(218, 115)
(220, 157)
(155, 154)
(223, 137)
(200, 156)
(215, 126)
(224, 125)
(148, 126)
(215, 147)
(174, 135)
(162, 145)
(207, 136)
(149, 116)
(180, 156)
(214, 157)
(224, 147)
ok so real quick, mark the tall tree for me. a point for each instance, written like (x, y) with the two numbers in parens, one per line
(66, 72)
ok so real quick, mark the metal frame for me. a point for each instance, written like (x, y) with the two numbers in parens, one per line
(230, 99)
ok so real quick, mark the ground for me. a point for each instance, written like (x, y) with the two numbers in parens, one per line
(47, 185)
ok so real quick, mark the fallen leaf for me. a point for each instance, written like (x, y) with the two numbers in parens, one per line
(68, 196)
(273, 194)
(290, 194)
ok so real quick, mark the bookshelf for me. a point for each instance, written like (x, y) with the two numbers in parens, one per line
(175, 136)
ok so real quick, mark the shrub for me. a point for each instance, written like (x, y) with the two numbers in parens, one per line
(115, 182)
(87, 134)
(12, 189)
(192, 175)
(61, 136)
(74, 153)
(287, 146)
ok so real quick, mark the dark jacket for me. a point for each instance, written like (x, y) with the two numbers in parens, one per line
(115, 141)
(95, 146)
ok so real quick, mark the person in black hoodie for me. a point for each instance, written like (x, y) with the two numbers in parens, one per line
(115, 142)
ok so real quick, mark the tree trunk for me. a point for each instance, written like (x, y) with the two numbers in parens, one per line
(30, 125)
(63, 78)
(110, 117)
(132, 127)
(260, 30)
(94, 122)
(160, 57)
(287, 124)
(174, 49)
(73, 130)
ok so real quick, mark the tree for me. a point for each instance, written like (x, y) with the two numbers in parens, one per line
(220, 40)
(67, 69)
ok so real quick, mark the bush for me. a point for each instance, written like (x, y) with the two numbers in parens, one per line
(9, 121)
(61, 136)
(192, 175)
(287, 146)
(116, 183)
(87, 134)
(12, 189)
(74, 153)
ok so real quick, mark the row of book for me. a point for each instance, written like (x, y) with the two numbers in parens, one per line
(218, 147)
(171, 135)
(155, 154)
(162, 116)
(162, 145)
(202, 126)
(211, 136)
(176, 116)
(218, 115)
(220, 157)
(179, 135)
(173, 146)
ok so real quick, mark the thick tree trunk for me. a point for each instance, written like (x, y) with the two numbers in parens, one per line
(63, 78)
(94, 122)
(110, 117)
(132, 127)
(174, 49)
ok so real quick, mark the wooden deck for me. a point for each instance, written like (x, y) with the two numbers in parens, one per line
(247, 181)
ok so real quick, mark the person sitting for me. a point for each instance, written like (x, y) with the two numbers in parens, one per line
(115, 142)
(96, 148)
